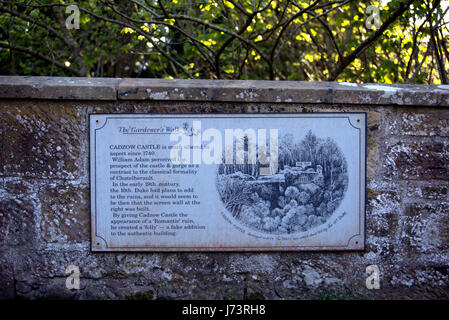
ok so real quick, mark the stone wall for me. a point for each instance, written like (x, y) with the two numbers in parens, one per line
(44, 193)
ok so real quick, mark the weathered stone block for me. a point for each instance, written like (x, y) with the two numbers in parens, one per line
(431, 191)
(421, 124)
(17, 213)
(69, 88)
(167, 107)
(389, 94)
(424, 228)
(382, 213)
(6, 276)
(372, 144)
(43, 140)
(225, 90)
(417, 160)
(418, 279)
(65, 213)
(382, 248)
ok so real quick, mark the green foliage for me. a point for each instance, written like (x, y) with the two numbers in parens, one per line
(238, 39)
(255, 296)
(346, 294)
(147, 295)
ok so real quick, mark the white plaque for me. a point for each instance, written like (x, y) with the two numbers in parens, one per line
(253, 182)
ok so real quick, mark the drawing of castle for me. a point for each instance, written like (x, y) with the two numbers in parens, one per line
(303, 172)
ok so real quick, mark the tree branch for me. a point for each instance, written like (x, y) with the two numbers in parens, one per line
(342, 64)
(42, 57)
(71, 42)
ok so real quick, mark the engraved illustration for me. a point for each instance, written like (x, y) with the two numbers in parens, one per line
(310, 184)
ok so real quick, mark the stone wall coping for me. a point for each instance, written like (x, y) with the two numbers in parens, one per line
(304, 92)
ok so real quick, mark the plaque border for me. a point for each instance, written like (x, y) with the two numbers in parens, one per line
(95, 238)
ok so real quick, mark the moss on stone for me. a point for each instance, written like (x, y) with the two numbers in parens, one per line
(146, 295)
(346, 294)
(255, 296)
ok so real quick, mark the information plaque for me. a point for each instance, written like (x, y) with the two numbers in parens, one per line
(227, 182)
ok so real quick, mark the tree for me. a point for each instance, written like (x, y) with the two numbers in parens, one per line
(228, 39)
(334, 167)
(286, 151)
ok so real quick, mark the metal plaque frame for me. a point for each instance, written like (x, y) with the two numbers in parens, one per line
(313, 199)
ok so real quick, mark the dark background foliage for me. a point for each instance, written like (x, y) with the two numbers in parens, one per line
(229, 39)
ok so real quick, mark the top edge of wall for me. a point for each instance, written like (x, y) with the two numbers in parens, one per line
(109, 89)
